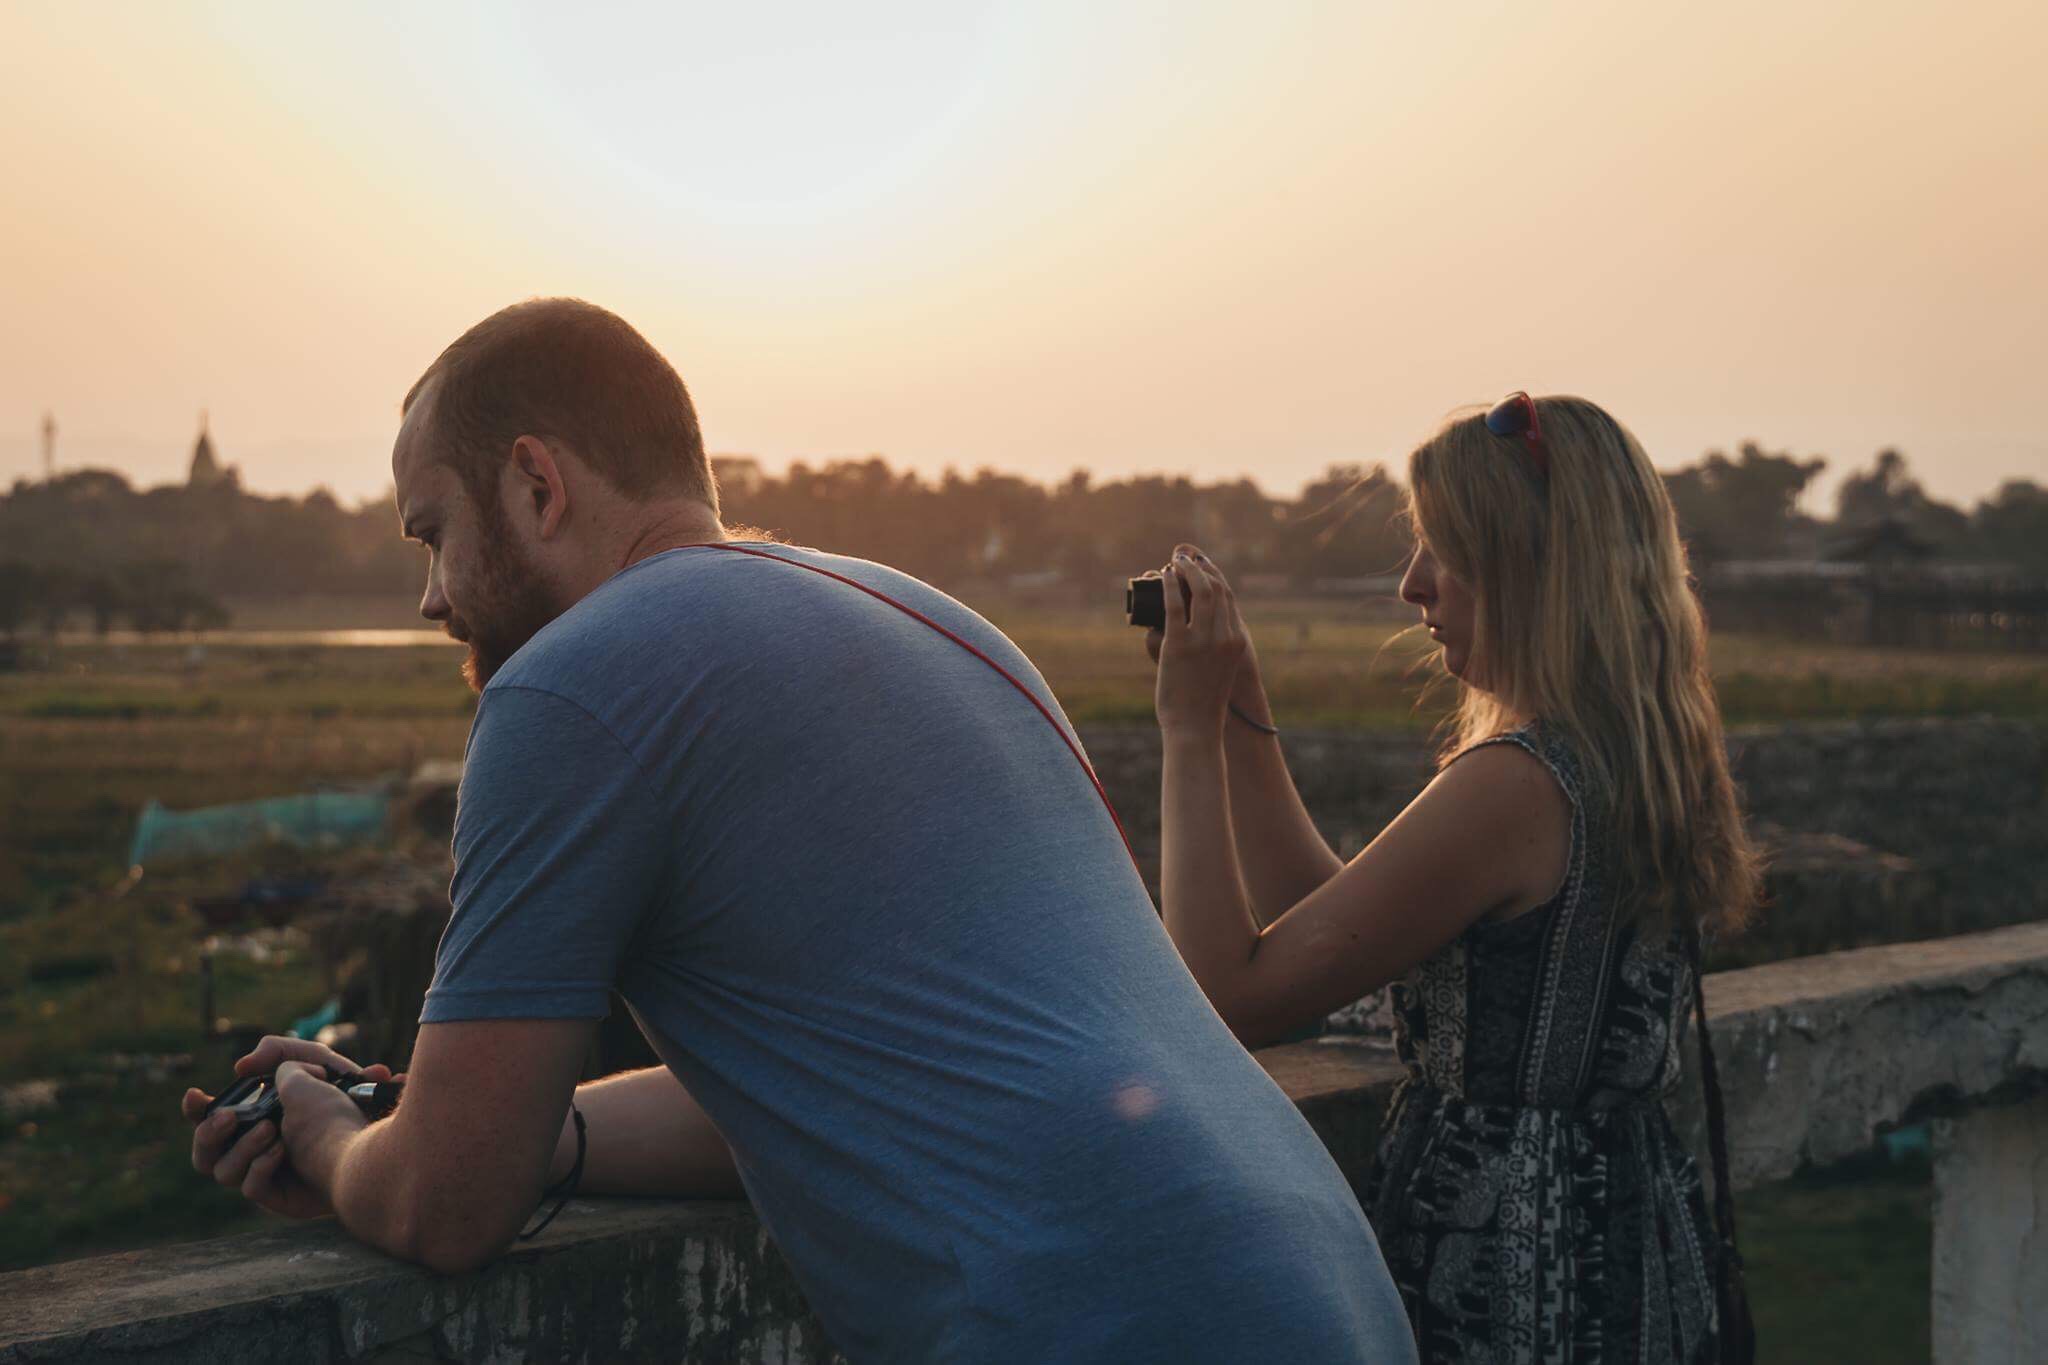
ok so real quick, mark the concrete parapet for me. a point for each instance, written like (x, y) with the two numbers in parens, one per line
(608, 1280)
(1817, 1056)
(1991, 1236)
(611, 1279)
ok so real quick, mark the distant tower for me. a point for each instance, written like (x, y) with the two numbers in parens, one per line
(207, 470)
(49, 446)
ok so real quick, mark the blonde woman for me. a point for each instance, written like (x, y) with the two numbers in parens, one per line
(1538, 907)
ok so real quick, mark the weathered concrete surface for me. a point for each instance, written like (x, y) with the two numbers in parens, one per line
(1965, 799)
(1991, 1237)
(1819, 1054)
(609, 1280)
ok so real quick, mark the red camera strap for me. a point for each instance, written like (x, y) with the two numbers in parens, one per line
(1004, 673)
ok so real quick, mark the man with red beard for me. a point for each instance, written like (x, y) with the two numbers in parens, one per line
(828, 834)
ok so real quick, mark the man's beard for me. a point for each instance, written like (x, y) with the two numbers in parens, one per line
(509, 607)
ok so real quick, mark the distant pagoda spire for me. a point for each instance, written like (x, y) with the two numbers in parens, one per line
(207, 469)
(49, 445)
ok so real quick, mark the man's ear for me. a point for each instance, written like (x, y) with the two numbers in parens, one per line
(540, 484)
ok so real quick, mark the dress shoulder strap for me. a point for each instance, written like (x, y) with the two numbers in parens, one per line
(1574, 975)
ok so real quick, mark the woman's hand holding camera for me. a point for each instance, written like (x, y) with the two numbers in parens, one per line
(1205, 656)
(258, 1164)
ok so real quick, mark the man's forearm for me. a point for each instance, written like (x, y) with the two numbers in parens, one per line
(366, 1178)
(645, 1134)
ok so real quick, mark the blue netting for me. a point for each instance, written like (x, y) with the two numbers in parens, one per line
(314, 820)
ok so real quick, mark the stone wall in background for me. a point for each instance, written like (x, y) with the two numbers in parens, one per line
(1878, 832)
(1352, 783)
(1964, 802)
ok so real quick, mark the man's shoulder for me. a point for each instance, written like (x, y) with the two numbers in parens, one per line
(675, 614)
(619, 631)
(684, 615)
(738, 567)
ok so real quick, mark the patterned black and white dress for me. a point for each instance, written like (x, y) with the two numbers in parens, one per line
(1531, 1197)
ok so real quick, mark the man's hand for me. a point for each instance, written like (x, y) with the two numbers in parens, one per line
(318, 1119)
(259, 1165)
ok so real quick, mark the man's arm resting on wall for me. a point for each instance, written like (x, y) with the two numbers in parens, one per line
(646, 1134)
(449, 1179)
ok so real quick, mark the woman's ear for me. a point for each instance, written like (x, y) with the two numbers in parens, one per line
(541, 485)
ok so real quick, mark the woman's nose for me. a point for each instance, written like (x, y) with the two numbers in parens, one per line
(1416, 588)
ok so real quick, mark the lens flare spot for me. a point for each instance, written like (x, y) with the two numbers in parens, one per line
(1135, 1102)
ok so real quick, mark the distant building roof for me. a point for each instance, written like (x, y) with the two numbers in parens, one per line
(1755, 572)
(1890, 541)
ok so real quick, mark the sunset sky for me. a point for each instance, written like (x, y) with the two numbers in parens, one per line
(1216, 239)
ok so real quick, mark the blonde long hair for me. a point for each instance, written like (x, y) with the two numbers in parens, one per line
(1586, 618)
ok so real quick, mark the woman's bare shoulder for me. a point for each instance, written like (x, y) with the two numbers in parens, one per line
(1510, 808)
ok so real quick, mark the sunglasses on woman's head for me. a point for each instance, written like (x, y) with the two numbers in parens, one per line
(1515, 415)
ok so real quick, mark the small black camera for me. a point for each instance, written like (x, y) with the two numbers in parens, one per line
(1145, 602)
(252, 1099)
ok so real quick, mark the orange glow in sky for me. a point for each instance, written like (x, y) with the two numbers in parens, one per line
(1217, 239)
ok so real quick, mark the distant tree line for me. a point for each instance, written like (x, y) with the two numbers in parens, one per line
(87, 549)
(154, 597)
(1747, 509)
(997, 526)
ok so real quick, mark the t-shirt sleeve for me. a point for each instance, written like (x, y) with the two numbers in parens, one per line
(560, 851)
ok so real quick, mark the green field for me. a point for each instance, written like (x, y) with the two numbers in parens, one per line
(95, 730)
(102, 989)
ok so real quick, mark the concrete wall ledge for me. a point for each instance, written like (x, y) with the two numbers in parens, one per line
(1817, 1055)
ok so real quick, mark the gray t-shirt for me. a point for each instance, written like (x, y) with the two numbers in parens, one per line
(868, 907)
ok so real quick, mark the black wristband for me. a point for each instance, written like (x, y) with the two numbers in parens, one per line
(1258, 725)
(564, 1187)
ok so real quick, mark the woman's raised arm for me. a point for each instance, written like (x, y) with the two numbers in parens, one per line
(1489, 836)
(1281, 855)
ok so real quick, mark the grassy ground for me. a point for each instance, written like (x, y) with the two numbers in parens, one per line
(103, 990)
(87, 738)
(1838, 1264)
(1331, 666)
(101, 993)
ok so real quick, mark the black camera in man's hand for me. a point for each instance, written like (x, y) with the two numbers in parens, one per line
(253, 1099)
